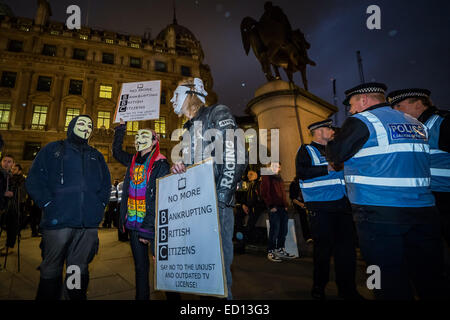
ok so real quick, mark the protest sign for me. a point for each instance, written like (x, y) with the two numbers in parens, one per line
(189, 255)
(138, 101)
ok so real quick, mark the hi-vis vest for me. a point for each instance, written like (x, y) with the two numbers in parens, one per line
(392, 169)
(324, 188)
(114, 194)
(440, 160)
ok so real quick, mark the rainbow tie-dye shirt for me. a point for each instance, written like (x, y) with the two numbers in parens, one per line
(136, 197)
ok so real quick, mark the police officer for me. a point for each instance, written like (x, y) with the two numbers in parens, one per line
(387, 174)
(417, 103)
(323, 190)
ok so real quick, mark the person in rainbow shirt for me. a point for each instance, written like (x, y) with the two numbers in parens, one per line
(137, 208)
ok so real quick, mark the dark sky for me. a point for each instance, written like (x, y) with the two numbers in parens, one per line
(412, 49)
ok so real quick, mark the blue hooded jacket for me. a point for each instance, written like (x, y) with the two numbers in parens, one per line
(71, 182)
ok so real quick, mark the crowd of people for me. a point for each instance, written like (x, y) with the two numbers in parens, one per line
(380, 183)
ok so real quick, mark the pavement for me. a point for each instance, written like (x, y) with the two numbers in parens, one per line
(112, 273)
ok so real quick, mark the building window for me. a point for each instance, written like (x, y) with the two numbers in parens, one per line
(76, 87)
(105, 91)
(103, 119)
(160, 66)
(8, 79)
(135, 62)
(109, 41)
(104, 150)
(15, 46)
(5, 109)
(185, 71)
(39, 117)
(44, 84)
(108, 58)
(84, 37)
(70, 114)
(163, 97)
(49, 50)
(25, 28)
(79, 54)
(31, 150)
(55, 32)
(132, 127)
(160, 126)
(135, 45)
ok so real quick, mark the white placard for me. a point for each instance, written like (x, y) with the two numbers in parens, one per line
(188, 248)
(138, 101)
(291, 239)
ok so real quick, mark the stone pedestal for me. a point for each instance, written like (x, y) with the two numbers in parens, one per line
(279, 105)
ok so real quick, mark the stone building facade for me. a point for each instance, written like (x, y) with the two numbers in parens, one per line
(49, 74)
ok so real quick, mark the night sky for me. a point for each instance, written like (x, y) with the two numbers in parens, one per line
(412, 49)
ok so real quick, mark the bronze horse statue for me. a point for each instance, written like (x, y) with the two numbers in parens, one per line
(276, 45)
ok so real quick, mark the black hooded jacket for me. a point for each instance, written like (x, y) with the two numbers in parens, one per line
(71, 181)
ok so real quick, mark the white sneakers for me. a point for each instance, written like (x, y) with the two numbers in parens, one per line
(278, 254)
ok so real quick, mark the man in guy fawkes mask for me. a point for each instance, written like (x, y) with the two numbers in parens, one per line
(189, 100)
(70, 181)
(138, 203)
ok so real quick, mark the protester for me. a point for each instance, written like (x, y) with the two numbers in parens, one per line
(253, 206)
(325, 197)
(295, 194)
(274, 196)
(387, 174)
(189, 100)
(71, 182)
(138, 200)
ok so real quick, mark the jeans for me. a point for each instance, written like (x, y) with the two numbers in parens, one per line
(406, 253)
(226, 217)
(278, 228)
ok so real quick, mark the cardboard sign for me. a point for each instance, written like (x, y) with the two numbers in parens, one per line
(291, 239)
(138, 101)
(188, 246)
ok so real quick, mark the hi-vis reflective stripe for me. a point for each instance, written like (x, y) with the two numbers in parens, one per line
(431, 121)
(321, 183)
(397, 147)
(378, 126)
(315, 159)
(440, 172)
(389, 182)
(435, 151)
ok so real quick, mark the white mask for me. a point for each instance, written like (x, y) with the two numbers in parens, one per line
(83, 128)
(181, 93)
(143, 140)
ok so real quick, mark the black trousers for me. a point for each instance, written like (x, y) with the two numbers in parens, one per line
(304, 222)
(332, 230)
(408, 250)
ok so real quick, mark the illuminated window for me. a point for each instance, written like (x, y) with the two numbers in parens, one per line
(160, 126)
(105, 91)
(132, 127)
(39, 117)
(25, 28)
(54, 32)
(70, 114)
(135, 45)
(103, 119)
(109, 41)
(104, 150)
(84, 37)
(5, 109)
